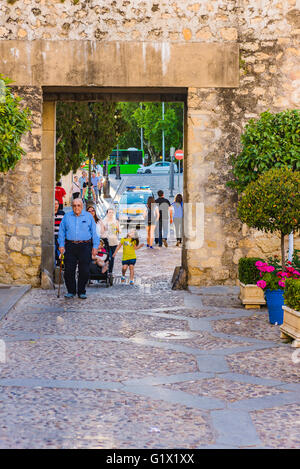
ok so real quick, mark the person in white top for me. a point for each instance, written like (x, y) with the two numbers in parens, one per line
(75, 189)
(98, 222)
(110, 230)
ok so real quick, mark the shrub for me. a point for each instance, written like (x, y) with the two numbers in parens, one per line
(272, 141)
(272, 203)
(292, 293)
(248, 273)
(14, 123)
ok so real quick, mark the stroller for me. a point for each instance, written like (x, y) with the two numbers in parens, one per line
(96, 271)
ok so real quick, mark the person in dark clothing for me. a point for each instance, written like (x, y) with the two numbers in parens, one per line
(152, 217)
(78, 239)
(161, 231)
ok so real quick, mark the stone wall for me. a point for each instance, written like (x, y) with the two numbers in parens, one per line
(20, 204)
(268, 36)
(267, 32)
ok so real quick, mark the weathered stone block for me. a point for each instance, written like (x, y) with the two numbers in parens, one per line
(19, 259)
(15, 244)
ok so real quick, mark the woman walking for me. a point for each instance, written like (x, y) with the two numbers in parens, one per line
(177, 206)
(152, 217)
(110, 230)
(92, 211)
(75, 189)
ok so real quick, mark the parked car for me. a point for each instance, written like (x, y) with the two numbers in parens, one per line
(158, 167)
(132, 206)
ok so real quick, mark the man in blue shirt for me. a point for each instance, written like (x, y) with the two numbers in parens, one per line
(82, 179)
(95, 181)
(78, 239)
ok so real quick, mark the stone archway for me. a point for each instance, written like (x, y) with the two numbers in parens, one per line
(199, 74)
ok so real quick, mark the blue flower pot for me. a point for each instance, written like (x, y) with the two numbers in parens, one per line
(275, 302)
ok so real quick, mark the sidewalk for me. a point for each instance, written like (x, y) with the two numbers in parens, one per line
(146, 367)
(9, 296)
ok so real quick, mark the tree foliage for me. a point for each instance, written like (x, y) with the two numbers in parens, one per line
(149, 116)
(273, 141)
(272, 203)
(132, 136)
(14, 123)
(82, 128)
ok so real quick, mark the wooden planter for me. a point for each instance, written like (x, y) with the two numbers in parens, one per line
(291, 325)
(251, 296)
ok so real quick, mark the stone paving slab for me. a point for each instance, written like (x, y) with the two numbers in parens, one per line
(286, 432)
(274, 363)
(126, 369)
(96, 323)
(96, 419)
(256, 326)
(91, 360)
(9, 296)
(224, 389)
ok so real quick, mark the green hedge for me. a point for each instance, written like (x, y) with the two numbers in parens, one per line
(292, 293)
(248, 273)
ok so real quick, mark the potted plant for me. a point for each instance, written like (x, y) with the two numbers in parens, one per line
(273, 281)
(272, 204)
(291, 317)
(250, 294)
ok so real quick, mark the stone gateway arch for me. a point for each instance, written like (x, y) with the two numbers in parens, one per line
(227, 61)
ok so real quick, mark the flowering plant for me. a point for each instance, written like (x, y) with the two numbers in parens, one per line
(273, 277)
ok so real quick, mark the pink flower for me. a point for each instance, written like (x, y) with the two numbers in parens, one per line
(261, 284)
(270, 268)
(281, 283)
(296, 272)
(261, 266)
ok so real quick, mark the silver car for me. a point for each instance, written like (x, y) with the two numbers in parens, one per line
(157, 168)
(132, 207)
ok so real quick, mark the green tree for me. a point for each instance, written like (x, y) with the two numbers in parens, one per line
(82, 128)
(273, 141)
(150, 118)
(272, 203)
(132, 136)
(14, 123)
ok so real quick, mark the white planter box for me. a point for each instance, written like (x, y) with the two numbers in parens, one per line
(251, 296)
(291, 325)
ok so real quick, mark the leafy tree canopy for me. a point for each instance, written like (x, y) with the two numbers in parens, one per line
(132, 136)
(273, 141)
(14, 123)
(84, 128)
(149, 116)
(272, 203)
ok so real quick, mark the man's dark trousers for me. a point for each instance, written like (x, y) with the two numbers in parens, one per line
(81, 254)
(161, 230)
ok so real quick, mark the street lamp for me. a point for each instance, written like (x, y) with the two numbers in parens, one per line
(90, 198)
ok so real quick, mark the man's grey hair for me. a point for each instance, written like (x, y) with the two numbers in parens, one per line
(78, 200)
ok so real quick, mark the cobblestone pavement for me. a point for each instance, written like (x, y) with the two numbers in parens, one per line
(146, 367)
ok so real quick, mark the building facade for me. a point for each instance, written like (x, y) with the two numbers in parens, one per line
(228, 61)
